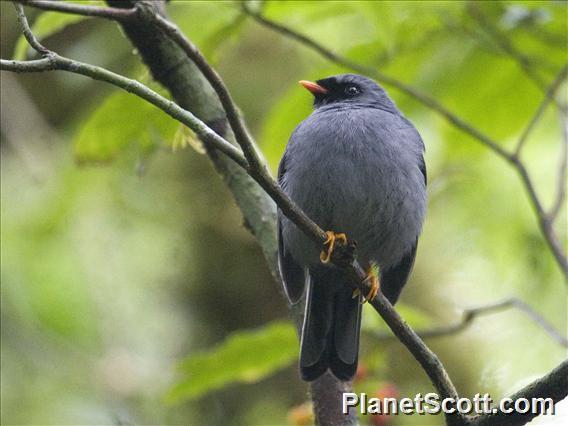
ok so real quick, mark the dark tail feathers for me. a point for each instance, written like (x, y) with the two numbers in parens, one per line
(330, 334)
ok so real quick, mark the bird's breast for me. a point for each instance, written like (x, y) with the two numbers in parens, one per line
(349, 178)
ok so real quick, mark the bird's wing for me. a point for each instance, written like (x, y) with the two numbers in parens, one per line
(292, 274)
(409, 131)
(422, 166)
(332, 323)
(394, 278)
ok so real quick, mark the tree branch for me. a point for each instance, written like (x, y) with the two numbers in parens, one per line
(27, 32)
(120, 15)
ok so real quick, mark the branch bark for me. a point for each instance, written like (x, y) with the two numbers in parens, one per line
(121, 15)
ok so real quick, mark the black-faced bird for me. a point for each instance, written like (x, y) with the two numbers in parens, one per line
(355, 166)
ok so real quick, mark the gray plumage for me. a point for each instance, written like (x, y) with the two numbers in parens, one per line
(355, 165)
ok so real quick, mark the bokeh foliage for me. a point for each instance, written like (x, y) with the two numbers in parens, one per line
(125, 260)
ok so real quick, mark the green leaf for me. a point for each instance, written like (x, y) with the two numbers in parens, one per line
(245, 357)
(121, 122)
(47, 24)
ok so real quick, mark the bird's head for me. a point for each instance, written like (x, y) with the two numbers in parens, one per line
(349, 89)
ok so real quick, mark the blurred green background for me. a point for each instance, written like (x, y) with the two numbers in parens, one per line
(131, 292)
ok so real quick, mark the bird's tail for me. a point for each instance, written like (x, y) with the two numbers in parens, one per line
(330, 334)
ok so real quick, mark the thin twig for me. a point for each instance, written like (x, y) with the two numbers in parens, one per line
(469, 315)
(30, 38)
(548, 98)
(115, 14)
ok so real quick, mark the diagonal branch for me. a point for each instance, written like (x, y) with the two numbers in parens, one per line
(120, 15)
(544, 222)
(27, 32)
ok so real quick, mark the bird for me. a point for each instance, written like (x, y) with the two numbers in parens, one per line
(356, 167)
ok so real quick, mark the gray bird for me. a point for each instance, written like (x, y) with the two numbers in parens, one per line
(356, 167)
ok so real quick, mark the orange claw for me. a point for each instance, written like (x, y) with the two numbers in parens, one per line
(325, 255)
(373, 279)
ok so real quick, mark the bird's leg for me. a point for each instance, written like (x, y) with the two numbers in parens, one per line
(329, 245)
(373, 280)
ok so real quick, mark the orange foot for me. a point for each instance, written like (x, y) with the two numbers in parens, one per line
(325, 255)
(373, 280)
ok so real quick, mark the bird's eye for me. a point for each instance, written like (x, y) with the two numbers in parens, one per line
(352, 90)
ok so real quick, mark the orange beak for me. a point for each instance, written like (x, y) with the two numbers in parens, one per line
(314, 88)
